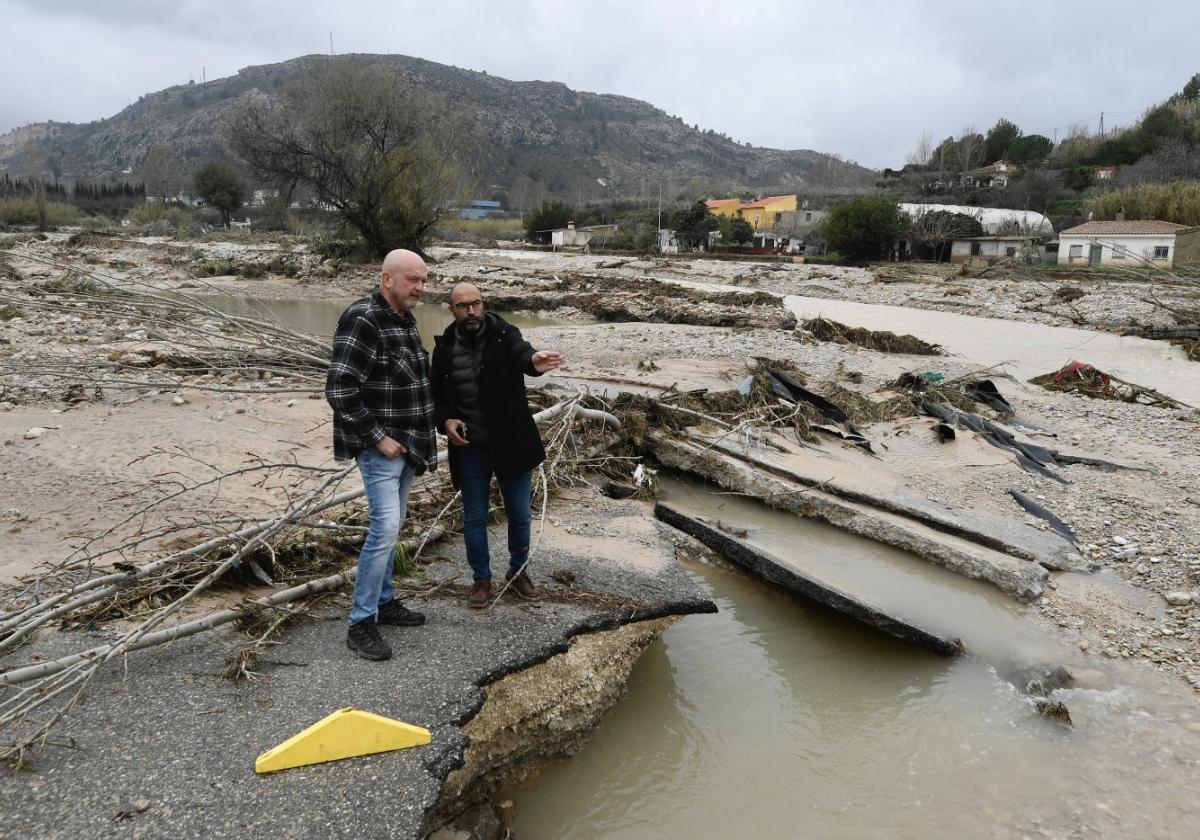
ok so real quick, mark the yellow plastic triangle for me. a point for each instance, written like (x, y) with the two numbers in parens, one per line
(344, 734)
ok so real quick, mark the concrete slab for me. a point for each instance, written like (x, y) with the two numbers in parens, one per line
(1023, 579)
(782, 573)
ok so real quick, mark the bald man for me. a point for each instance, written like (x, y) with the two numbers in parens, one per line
(378, 386)
(479, 367)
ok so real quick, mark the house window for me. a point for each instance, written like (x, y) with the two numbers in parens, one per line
(1076, 252)
(1010, 252)
(975, 249)
(808, 217)
(1161, 251)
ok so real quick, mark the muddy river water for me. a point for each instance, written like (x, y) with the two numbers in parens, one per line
(777, 718)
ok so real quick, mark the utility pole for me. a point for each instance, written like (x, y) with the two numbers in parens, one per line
(657, 234)
(1101, 123)
(331, 43)
(203, 75)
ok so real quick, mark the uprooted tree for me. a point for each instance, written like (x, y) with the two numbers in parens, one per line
(386, 157)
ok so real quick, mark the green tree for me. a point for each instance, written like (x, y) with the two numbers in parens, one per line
(864, 228)
(741, 231)
(693, 224)
(1029, 149)
(998, 139)
(1191, 91)
(550, 216)
(220, 186)
(387, 158)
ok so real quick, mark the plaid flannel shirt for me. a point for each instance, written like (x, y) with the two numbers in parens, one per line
(378, 383)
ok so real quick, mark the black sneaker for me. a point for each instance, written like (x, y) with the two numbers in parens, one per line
(397, 615)
(364, 640)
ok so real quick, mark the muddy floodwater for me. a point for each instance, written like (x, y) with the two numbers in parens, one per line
(777, 718)
(320, 317)
(1026, 350)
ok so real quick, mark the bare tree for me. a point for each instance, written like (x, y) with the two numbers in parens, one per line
(969, 149)
(162, 172)
(937, 229)
(386, 157)
(922, 153)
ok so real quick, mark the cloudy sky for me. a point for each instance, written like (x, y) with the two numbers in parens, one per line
(861, 79)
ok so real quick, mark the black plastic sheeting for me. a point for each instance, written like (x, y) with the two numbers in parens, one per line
(1037, 510)
(788, 388)
(1032, 458)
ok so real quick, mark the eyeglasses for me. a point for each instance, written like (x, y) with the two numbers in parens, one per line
(468, 305)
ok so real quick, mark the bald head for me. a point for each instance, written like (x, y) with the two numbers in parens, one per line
(466, 305)
(402, 279)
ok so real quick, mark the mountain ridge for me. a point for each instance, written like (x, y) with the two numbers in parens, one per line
(542, 138)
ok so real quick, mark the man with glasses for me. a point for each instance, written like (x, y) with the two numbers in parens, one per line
(479, 367)
(378, 386)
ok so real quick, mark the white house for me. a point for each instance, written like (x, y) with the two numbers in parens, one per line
(1129, 243)
(993, 248)
(572, 238)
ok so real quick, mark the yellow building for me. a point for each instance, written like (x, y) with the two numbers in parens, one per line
(723, 206)
(762, 213)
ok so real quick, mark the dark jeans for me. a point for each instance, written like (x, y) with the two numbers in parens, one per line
(475, 481)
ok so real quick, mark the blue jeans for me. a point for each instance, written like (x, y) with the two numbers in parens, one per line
(387, 482)
(475, 482)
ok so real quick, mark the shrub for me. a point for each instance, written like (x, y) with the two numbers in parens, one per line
(1177, 202)
(23, 211)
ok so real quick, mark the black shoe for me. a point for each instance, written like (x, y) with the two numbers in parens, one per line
(396, 614)
(364, 640)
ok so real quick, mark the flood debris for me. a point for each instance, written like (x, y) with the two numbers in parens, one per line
(1088, 380)
(1037, 510)
(884, 341)
(773, 569)
(1031, 457)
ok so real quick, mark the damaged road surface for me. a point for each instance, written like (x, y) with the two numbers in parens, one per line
(168, 731)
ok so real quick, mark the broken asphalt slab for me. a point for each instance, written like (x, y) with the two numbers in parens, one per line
(778, 571)
(162, 726)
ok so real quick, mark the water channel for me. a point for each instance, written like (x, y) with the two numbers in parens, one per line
(777, 718)
(1025, 349)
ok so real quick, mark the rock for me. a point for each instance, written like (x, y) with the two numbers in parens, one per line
(1120, 540)
(1142, 569)
(7, 406)
(35, 433)
(141, 805)
(1125, 553)
(291, 403)
(1178, 599)
(178, 400)
(1083, 644)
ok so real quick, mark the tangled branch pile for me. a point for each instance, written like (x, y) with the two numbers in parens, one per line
(885, 341)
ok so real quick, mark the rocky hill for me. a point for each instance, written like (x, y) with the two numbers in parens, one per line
(541, 138)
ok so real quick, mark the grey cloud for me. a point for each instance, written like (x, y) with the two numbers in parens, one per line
(863, 79)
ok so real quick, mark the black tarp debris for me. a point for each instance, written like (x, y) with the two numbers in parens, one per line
(1037, 510)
